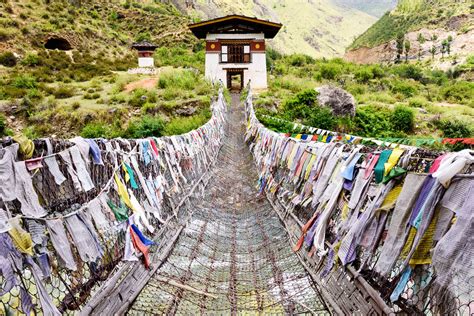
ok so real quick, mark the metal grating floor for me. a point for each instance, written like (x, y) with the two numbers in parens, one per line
(234, 249)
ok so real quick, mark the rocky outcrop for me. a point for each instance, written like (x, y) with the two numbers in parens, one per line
(340, 101)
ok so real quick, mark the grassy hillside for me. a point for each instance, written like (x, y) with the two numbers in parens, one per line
(86, 89)
(412, 15)
(317, 28)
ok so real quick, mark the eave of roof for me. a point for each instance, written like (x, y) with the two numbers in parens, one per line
(198, 29)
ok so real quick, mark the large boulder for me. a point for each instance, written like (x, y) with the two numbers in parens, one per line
(340, 101)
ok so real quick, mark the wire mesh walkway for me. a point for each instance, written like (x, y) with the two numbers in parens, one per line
(234, 257)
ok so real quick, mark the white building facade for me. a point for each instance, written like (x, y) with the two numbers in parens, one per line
(235, 50)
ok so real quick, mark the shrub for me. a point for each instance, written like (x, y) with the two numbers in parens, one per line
(3, 124)
(455, 129)
(7, 59)
(403, 119)
(372, 121)
(460, 91)
(138, 97)
(94, 130)
(145, 127)
(322, 117)
(330, 71)
(143, 37)
(408, 71)
(7, 33)
(406, 88)
(25, 82)
(364, 75)
(31, 60)
(182, 79)
(301, 105)
(418, 102)
(181, 125)
(64, 92)
(299, 60)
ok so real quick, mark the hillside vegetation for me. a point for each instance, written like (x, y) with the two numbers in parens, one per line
(400, 101)
(412, 15)
(84, 88)
(320, 28)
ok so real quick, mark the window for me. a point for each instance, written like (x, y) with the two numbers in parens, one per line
(224, 55)
(234, 53)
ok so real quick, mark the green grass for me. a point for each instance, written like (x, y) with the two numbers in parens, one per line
(393, 101)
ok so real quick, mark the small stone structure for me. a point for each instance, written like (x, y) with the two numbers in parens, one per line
(145, 54)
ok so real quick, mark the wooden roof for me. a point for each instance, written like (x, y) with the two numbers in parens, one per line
(144, 45)
(232, 24)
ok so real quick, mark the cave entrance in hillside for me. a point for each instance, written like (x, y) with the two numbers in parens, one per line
(58, 43)
(235, 79)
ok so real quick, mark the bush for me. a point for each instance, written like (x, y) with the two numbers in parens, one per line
(418, 102)
(145, 127)
(182, 79)
(330, 71)
(181, 125)
(31, 60)
(25, 82)
(3, 124)
(141, 96)
(7, 32)
(403, 119)
(372, 121)
(408, 71)
(406, 88)
(95, 130)
(364, 75)
(301, 105)
(64, 92)
(7, 59)
(455, 129)
(322, 117)
(460, 91)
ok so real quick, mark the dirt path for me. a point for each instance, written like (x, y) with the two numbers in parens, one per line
(234, 248)
(148, 83)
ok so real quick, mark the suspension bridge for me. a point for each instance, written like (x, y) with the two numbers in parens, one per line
(233, 218)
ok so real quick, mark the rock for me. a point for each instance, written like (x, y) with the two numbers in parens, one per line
(186, 111)
(423, 111)
(339, 100)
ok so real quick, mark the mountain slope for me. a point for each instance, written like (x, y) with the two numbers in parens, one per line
(319, 28)
(412, 15)
(89, 27)
(376, 8)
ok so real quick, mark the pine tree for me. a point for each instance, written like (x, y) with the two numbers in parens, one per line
(448, 46)
(407, 49)
(400, 40)
(433, 51)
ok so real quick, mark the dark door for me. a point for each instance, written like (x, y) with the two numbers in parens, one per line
(235, 79)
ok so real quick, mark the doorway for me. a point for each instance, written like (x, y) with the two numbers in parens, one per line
(235, 79)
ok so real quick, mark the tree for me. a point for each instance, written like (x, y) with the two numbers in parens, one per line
(407, 49)
(448, 46)
(433, 51)
(444, 47)
(400, 40)
(421, 39)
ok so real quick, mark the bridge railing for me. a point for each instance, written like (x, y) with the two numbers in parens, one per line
(381, 230)
(66, 213)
